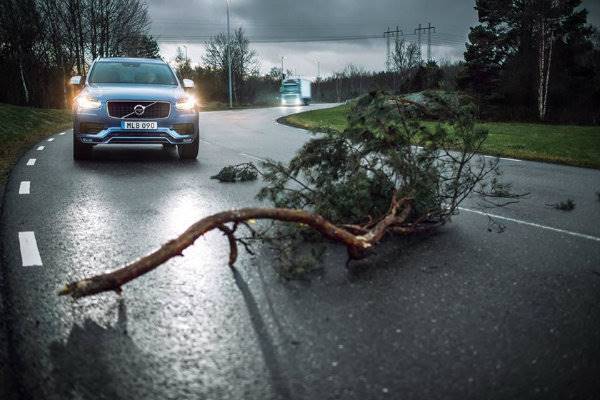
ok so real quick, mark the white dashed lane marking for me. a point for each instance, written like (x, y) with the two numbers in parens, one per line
(51, 139)
(62, 133)
(40, 148)
(30, 255)
(533, 224)
(31, 162)
(24, 187)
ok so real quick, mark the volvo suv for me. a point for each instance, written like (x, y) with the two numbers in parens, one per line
(134, 101)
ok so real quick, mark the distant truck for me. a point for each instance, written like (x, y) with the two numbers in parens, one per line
(295, 91)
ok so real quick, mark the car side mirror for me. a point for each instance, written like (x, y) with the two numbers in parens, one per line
(76, 80)
(188, 84)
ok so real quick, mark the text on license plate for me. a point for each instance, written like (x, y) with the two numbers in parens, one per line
(139, 125)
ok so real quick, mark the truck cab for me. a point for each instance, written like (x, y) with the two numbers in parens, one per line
(295, 92)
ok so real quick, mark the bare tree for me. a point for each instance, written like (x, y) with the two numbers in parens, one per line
(243, 59)
(405, 59)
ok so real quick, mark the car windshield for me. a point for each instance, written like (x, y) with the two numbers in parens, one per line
(142, 73)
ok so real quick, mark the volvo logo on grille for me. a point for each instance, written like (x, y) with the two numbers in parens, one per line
(139, 109)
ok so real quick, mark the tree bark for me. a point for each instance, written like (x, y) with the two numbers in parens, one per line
(547, 78)
(23, 82)
(541, 56)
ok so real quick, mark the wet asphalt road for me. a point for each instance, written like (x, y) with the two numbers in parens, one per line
(465, 313)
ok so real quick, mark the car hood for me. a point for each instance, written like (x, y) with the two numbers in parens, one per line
(134, 92)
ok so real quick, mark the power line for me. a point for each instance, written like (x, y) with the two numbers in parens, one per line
(435, 39)
(201, 38)
(418, 32)
(388, 35)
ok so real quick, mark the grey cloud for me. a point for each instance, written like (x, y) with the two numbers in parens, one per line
(192, 21)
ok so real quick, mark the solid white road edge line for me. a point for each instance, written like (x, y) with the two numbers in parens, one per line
(24, 187)
(40, 148)
(533, 224)
(31, 162)
(30, 255)
(253, 157)
(51, 139)
(501, 158)
(505, 159)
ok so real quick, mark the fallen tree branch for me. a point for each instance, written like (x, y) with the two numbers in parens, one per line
(233, 251)
(357, 245)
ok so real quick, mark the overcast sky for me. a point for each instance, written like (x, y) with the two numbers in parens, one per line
(190, 22)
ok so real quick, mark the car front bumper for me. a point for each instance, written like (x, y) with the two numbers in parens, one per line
(111, 131)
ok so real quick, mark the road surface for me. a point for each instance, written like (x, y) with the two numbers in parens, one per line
(463, 314)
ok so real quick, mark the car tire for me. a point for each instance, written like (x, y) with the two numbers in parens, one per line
(81, 151)
(188, 151)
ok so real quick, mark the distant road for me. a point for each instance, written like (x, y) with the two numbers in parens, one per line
(464, 314)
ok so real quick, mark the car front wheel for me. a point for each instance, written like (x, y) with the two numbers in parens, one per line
(188, 151)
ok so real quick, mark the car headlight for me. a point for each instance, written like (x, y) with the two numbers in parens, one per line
(186, 103)
(87, 102)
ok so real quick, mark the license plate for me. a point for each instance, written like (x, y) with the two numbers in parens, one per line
(139, 125)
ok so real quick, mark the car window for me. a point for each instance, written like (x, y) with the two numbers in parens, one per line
(132, 72)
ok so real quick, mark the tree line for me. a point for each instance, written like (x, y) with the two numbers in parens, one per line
(43, 42)
(408, 73)
(353, 81)
(528, 60)
(536, 60)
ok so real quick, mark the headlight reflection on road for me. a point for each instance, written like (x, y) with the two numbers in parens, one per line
(291, 109)
(183, 210)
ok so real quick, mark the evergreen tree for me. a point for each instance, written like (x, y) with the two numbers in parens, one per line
(514, 54)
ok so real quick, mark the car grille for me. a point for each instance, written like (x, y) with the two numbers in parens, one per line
(119, 109)
(134, 137)
(138, 134)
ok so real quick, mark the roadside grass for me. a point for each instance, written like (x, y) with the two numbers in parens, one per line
(564, 144)
(325, 119)
(22, 127)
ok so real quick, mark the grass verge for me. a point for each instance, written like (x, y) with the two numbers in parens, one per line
(564, 144)
(22, 127)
